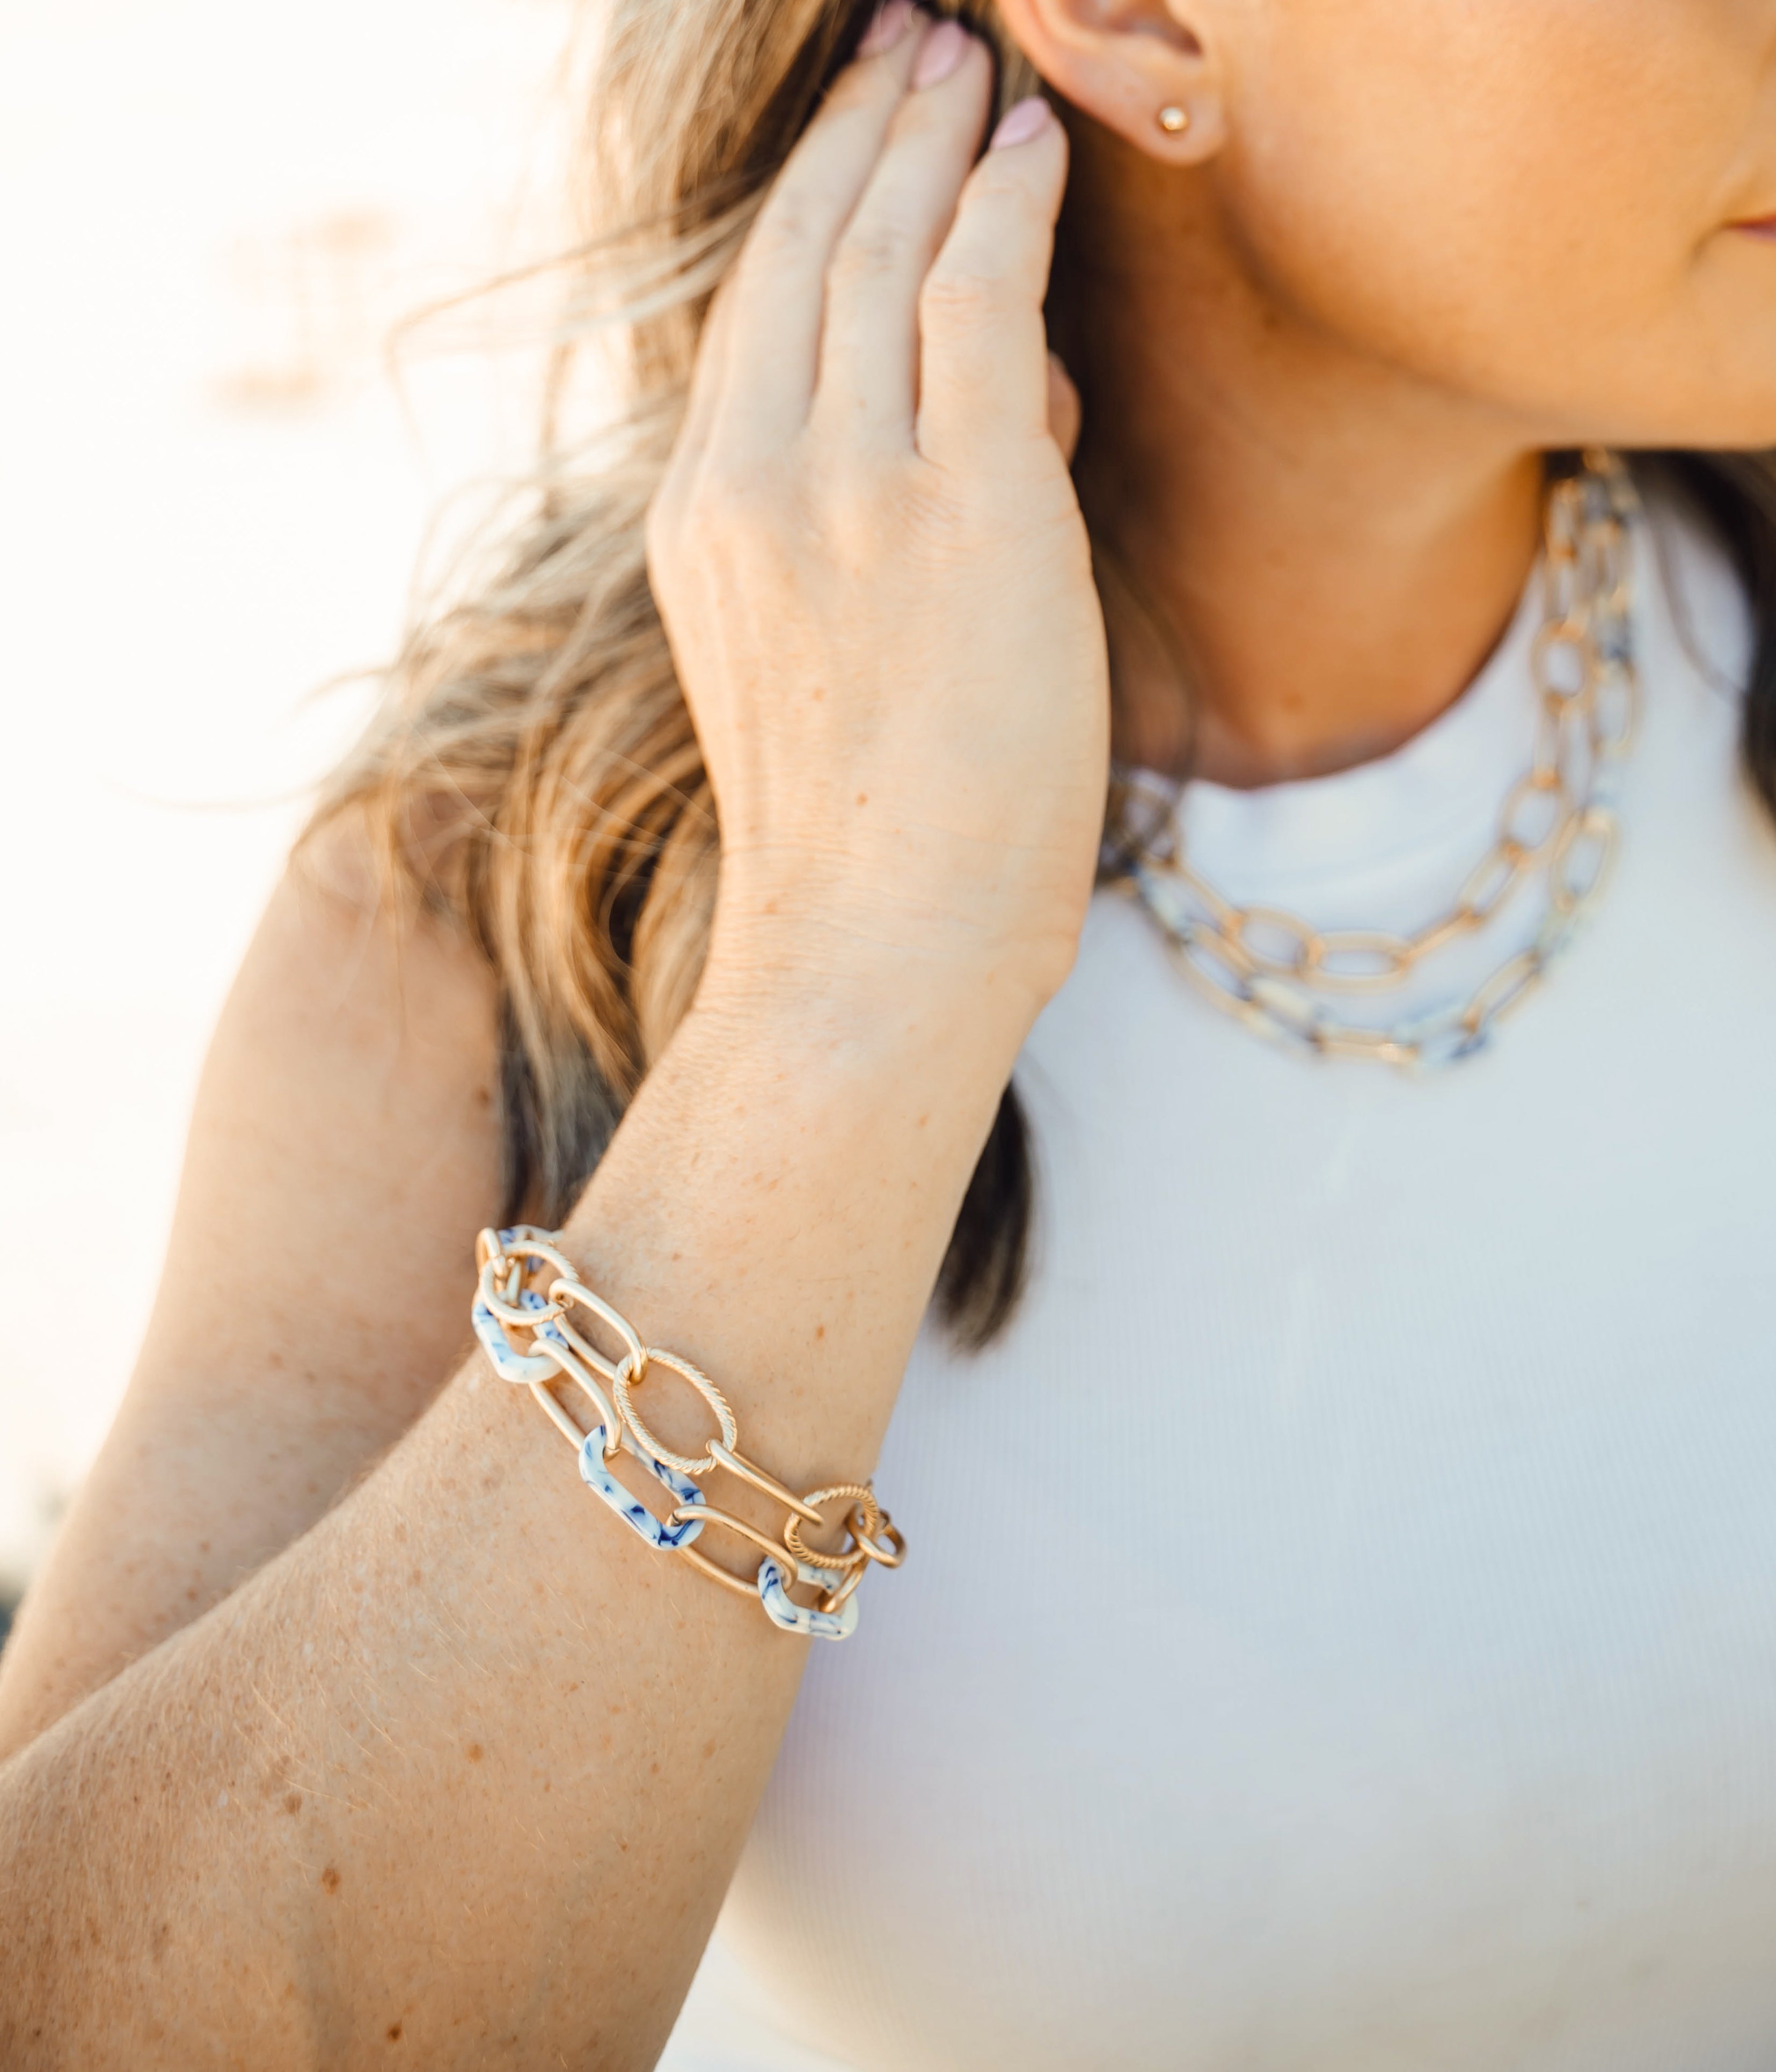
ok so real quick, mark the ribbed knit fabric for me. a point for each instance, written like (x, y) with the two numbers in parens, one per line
(1340, 1630)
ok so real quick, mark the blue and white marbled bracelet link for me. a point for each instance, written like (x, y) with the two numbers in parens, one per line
(505, 1301)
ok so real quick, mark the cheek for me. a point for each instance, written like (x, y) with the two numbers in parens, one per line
(1516, 201)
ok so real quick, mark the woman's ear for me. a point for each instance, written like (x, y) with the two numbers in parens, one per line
(1149, 71)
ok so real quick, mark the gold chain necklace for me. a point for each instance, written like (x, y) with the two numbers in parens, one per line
(1282, 977)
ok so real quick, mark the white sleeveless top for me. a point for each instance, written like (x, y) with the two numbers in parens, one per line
(1340, 1630)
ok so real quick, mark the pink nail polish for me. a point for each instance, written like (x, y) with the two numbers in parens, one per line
(942, 51)
(1020, 122)
(893, 20)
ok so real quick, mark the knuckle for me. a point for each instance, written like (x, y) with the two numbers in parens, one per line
(723, 499)
(1015, 214)
(858, 86)
(737, 504)
(961, 294)
(1002, 185)
(870, 251)
(858, 506)
(784, 229)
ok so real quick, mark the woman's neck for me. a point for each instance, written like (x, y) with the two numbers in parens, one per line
(1331, 546)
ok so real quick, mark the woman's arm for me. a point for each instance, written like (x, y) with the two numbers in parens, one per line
(466, 1767)
(349, 1086)
(468, 1764)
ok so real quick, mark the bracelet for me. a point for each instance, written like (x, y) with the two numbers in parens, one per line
(511, 1262)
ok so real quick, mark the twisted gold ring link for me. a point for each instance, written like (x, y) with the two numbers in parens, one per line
(629, 1373)
(862, 1498)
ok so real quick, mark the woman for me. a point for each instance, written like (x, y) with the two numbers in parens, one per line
(1337, 1624)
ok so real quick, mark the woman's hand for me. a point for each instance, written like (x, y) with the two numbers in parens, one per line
(870, 561)
(877, 580)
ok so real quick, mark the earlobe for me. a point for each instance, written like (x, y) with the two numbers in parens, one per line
(1133, 65)
(1185, 131)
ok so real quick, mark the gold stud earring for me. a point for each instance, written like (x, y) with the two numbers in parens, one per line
(1174, 120)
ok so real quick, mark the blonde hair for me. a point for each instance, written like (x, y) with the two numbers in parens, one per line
(533, 771)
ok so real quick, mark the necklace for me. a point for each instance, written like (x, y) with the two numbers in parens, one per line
(1283, 978)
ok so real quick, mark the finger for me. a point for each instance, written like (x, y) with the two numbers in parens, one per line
(983, 354)
(868, 358)
(707, 376)
(1064, 412)
(780, 280)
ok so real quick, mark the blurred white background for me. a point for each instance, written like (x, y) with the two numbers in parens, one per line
(213, 494)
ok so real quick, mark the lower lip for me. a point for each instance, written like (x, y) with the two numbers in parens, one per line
(1764, 227)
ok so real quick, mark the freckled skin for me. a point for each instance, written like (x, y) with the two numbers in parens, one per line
(1406, 247)
(1527, 203)
(1398, 265)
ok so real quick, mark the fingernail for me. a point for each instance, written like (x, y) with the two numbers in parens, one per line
(941, 55)
(893, 20)
(1020, 122)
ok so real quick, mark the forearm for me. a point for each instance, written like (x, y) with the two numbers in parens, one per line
(350, 1082)
(469, 1759)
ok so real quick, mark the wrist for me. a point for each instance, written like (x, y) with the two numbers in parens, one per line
(826, 978)
(852, 941)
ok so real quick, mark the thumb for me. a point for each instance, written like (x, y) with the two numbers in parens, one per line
(1063, 408)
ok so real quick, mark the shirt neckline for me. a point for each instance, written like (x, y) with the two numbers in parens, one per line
(1443, 785)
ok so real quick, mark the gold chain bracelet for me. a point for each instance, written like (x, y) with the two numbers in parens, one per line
(527, 1285)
